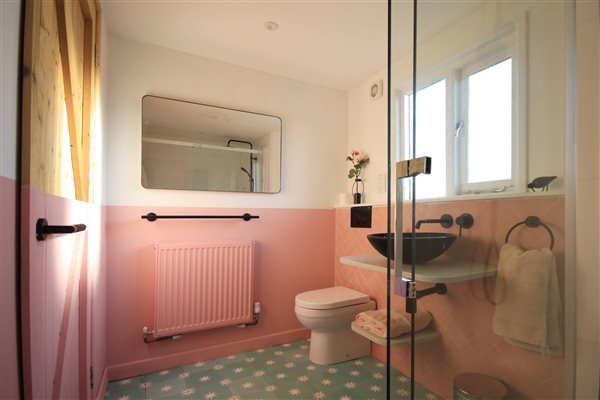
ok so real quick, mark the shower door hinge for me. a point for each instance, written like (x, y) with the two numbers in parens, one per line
(414, 167)
(406, 288)
(91, 377)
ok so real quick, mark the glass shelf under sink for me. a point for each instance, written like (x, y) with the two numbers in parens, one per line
(440, 270)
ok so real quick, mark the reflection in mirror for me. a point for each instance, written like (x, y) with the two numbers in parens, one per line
(191, 146)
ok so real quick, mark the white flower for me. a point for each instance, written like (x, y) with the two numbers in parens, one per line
(280, 376)
(403, 379)
(355, 373)
(218, 367)
(304, 347)
(204, 378)
(125, 381)
(124, 398)
(188, 392)
(210, 395)
(297, 355)
(290, 365)
(377, 375)
(430, 396)
(238, 370)
(270, 388)
(269, 362)
(199, 364)
(295, 392)
(278, 353)
(375, 388)
(260, 350)
(402, 392)
(345, 397)
(332, 370)
(184, 375)
(326, 382)
(234, 397)
(164, 372)
(380, 365)
(247, 385)
(319, 395)
(259, 373)
(225, 382)
(231, 357)
(145, 385)
(350, 385)
(358, 362)
(303, 378)
(166, 388)
(250, 359)
(287, 345)
(310, 367)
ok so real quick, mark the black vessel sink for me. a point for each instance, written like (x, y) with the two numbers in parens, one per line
(429, 245)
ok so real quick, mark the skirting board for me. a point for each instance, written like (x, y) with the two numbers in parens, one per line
(103, 385)
(148, 365)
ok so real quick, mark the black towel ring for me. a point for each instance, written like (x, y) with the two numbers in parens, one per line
(532, 222)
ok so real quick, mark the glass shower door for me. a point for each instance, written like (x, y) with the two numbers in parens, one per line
(480, 89)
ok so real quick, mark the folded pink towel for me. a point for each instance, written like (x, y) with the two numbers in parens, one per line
(375, 321)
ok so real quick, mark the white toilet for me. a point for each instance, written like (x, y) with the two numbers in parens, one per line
(328, 313)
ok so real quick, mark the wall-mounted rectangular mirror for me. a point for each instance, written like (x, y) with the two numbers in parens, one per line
(191, 146)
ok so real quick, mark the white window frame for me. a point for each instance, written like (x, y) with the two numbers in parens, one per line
(403, 151)
(507, 43)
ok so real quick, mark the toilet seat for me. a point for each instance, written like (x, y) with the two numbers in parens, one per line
(330, 298)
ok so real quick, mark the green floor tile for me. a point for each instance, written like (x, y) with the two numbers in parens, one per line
(199, 366)
(279, 372)
(166, 388)
(164, 375)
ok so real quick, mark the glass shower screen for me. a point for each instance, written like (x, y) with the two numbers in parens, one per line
(480, 88)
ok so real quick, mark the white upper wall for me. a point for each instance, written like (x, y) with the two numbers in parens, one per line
(10, 14)
(546, 47)
(367, 132)
(313, 139)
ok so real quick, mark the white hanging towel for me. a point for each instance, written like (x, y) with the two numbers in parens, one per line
(528, 302)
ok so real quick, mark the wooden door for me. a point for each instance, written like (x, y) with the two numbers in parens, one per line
(60, 78)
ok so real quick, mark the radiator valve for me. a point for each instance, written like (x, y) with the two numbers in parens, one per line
(254, 317)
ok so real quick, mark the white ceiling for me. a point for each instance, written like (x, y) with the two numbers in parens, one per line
(334, 43)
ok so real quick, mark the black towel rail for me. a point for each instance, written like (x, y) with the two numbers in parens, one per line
(532, 222)
(153, 217)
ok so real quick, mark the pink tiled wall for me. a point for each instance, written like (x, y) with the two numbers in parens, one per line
(293, 253)
(464, 315)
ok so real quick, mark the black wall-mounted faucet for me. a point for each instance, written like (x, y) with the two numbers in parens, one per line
(445, 221)
(465, 221)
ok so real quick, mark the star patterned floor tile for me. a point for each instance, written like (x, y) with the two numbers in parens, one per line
(278, 372)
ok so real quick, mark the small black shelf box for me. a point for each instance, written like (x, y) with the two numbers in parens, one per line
(360, 216)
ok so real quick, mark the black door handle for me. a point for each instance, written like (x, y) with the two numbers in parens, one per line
(42, 229)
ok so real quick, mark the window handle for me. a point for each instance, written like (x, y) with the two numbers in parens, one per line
(459, 126)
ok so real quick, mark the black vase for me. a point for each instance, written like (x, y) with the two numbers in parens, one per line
(358, 190)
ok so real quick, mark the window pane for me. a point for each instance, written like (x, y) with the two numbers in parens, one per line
(490, 124)
(431, 138)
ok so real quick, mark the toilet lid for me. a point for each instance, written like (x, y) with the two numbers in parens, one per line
(333, 297)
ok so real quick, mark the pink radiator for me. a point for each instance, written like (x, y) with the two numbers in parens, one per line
(202, 286)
